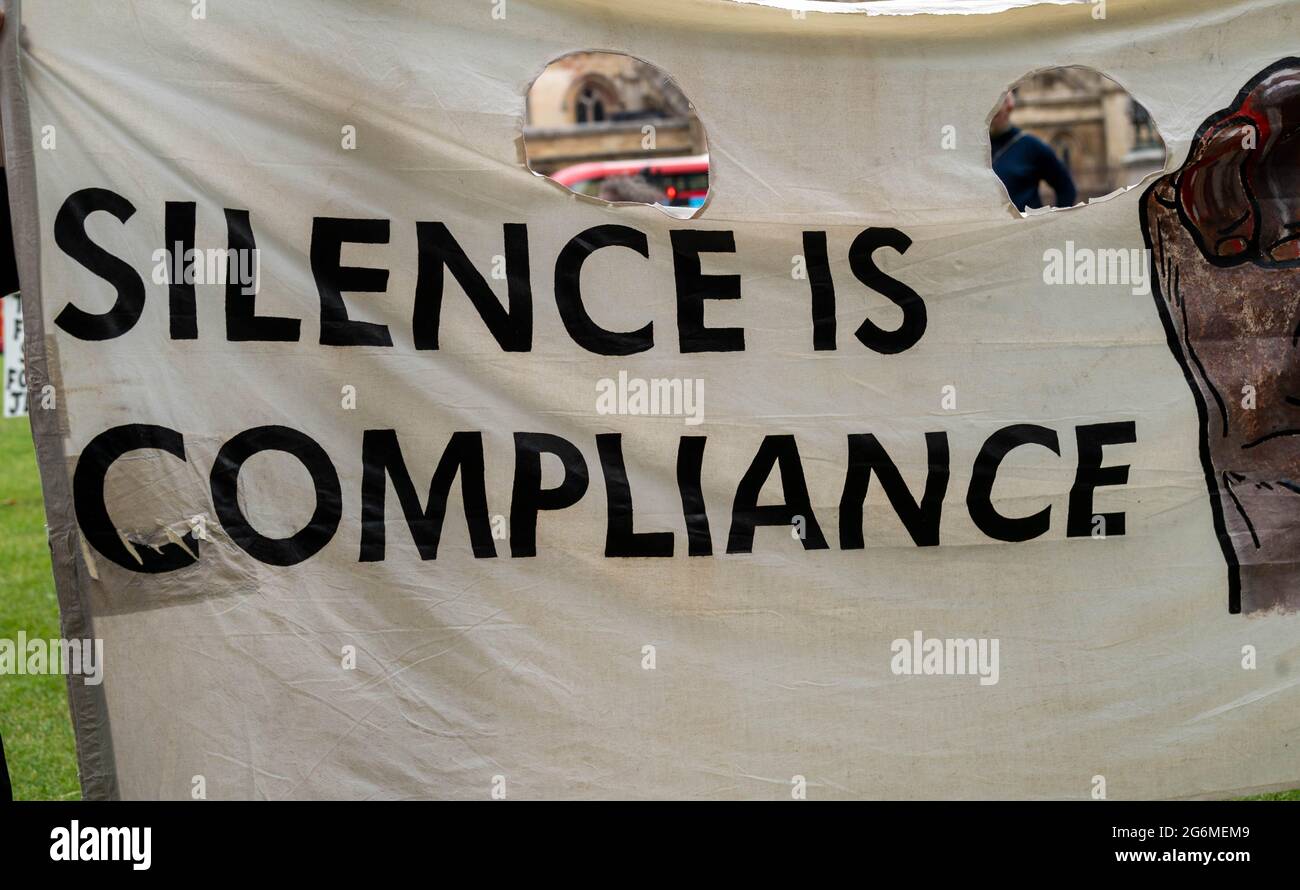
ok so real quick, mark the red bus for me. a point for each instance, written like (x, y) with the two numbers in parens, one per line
(684, 181)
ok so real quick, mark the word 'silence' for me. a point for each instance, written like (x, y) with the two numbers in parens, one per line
(438, 252)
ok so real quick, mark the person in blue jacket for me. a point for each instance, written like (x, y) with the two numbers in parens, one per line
(1022, 161)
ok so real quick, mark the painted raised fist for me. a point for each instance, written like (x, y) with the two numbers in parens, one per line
(1224, 235)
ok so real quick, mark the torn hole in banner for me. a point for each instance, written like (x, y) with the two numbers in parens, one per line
(800, 8)
(1065, 136)
(617, 129)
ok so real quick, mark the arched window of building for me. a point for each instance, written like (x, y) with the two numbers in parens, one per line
(593, 103)
(1063, 145)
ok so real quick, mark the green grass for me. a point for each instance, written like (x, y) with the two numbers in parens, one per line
(34, 719)
(1277, 795)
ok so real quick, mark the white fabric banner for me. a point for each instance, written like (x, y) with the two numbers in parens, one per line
(833, 489)
(15, 376)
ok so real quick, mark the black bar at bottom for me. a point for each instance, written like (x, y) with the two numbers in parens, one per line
(641, 841)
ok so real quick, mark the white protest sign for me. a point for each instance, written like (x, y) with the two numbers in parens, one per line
(15, 371)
